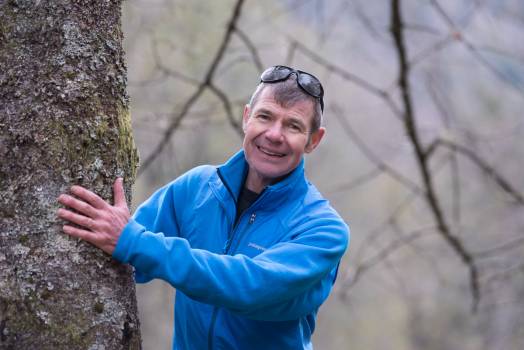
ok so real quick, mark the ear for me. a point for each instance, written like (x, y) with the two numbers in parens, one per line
(314, 140)
(245, 117)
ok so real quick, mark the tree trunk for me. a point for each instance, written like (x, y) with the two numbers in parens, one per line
(64, 120)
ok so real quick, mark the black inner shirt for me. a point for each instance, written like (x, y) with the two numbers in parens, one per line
(245, 199)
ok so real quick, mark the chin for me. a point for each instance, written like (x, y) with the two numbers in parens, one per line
(271, 171)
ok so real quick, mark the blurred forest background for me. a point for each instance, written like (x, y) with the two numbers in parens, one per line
(423, 157)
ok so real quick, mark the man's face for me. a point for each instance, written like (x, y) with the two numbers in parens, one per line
(276, 137)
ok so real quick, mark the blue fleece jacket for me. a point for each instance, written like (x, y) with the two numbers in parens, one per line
(254, 285)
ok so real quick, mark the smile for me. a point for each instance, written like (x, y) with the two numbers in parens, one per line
(270, 153)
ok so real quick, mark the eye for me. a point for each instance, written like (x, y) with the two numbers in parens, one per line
(262, 117)
(295, 127)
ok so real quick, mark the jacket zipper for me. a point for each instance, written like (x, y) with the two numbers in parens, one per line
(226, 250)
(240, 237)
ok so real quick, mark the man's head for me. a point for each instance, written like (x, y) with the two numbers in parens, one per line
(281, 123)
(290, 86)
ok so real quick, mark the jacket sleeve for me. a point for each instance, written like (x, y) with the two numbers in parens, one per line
(149, 213)
(303, 304)
(292, 274)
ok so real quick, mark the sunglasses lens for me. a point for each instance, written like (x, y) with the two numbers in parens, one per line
(310, 84)
(275, 74)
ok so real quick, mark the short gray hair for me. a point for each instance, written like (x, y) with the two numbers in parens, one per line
(287, 93)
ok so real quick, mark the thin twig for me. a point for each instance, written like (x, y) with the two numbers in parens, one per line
(482, 164)
(475, 52)
(359, 181)
(371, 237)
(251, 48)
(346, 126)
(446, 116)
(382, 254)
(439, 45)
(514, 244)
(229, 110)
(344, 74)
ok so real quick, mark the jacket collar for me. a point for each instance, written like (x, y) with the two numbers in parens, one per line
(234, 172)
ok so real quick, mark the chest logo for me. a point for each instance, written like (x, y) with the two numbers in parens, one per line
(256, 246)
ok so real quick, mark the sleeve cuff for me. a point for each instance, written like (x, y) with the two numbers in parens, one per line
(128, 236)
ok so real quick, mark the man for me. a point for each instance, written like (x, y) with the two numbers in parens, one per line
(251, 246)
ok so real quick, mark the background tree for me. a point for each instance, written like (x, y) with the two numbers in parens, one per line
(423, 154)
(64, 120)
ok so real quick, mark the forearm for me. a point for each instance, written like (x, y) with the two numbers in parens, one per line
(237, 282)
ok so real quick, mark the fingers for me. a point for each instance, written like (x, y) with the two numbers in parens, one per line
(89, 197)
(80, 220)
(119, 194)
(78, 205)
(93, 238)
(79, 233)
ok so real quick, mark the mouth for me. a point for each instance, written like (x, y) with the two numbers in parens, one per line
(270, 153)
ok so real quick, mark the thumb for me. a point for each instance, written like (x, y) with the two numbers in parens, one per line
(119, 194)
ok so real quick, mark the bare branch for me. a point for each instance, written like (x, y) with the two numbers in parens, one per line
(367, 177)
(411, 129)
(422, 28)
(382, 254)
(366, 22)
(333, 22)
(372, 157)
(229, 110)
(446, 116)
(513, 244)
(442, 13)
(497, 51)
(440, 45)
(482, 164)
(177, 118)
(251, 48)
(376, 233)
(506, 273)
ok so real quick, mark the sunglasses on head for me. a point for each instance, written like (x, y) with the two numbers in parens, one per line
(307, 82)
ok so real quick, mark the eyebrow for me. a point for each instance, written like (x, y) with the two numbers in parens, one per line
(297, 121)
(264, 111)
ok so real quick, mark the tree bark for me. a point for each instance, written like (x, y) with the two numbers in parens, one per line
(64, 120)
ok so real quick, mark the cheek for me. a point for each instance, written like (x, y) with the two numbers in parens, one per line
(299, 145)
(251, 132)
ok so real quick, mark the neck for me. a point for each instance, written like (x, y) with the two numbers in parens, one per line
(255, 183)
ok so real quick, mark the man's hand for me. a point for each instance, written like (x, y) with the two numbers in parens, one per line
(101, 223)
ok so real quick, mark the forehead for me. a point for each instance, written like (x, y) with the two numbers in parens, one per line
(303, 109)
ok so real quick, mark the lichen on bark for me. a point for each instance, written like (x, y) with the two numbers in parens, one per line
(64, 120)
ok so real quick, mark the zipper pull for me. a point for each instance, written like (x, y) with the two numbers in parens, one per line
(226, 246)
(252, 218)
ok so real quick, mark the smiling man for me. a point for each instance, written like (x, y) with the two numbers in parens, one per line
(251, 246)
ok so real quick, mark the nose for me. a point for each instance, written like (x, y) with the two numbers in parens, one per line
(274, 133)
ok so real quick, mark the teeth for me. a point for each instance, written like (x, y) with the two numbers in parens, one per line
(270, 153)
